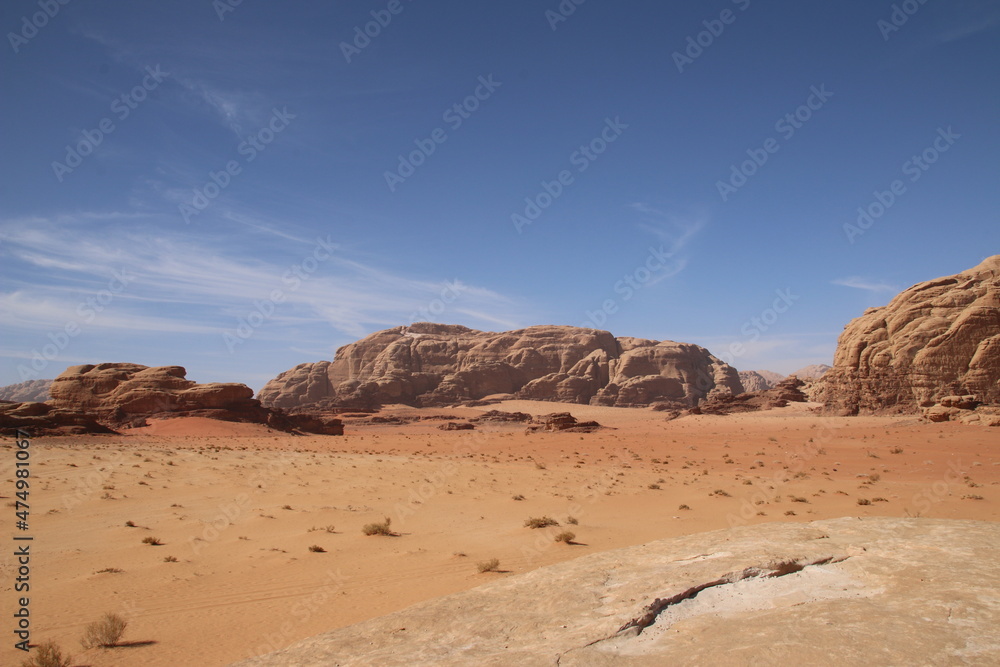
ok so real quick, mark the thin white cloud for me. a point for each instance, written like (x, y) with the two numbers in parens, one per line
(864, 284)
(177, 285)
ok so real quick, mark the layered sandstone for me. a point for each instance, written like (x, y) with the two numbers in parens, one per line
(936, 339)
(433, 364)
(29, 391)
(122, 394)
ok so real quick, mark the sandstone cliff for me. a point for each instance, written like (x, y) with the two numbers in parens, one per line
(122, 394)
(936, 339)
(433, 364)
(29, 391)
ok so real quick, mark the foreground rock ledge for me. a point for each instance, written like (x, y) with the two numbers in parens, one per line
(838, 592)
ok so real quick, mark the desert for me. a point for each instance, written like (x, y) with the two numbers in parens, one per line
(499, 334)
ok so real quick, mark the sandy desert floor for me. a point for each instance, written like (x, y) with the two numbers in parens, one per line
(238, 507)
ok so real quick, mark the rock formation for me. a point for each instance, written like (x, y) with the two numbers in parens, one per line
(813, 372)
(29, 391)
(42, 419)
(120, 394)
(837, 592)
(936, 339)
(787, 391)
(433, 364)
(759, 380)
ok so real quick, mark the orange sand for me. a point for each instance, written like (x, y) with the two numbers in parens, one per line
(238, 506)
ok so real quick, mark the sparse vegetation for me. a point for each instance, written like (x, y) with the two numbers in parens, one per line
(654, 487)
(683, 507)
(169, 559)
(110, 570)
(896, 450)
(379, 528)
(864, 501)
(572, 520)
(789, 512)
(519, 497)
(152, 541)
(130, 524)
(491, 565)
(720, 493)
(47, 654)
(105, 633)
(317, 549)
(566, 536)
(798, 499)
(540, 522)
(972, 497)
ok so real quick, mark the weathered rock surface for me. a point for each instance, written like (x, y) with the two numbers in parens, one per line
(42, 419)
(434, 364)
(813, 372)
(759, 380)
(121, 394)
(29, 391)
(846, 591)
(938, 338)
(787, 391)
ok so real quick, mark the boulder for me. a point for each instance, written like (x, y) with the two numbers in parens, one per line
(934, 340)
(428, 364)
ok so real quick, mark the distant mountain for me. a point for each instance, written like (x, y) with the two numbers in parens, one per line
(31, 391)
(814, 372)
(760, 380)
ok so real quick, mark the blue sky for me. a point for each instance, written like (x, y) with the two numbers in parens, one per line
(240, 189)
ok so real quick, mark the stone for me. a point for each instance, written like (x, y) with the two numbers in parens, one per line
(428, 364)
(936, 339)
(29, 391)
(844, 591)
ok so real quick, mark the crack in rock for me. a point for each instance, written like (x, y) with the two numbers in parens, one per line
(777, 569)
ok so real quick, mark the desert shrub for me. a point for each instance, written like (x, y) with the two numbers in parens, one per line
(152, 541)
(789, 512)
(106, 632)
(572, 520)
(317, 549)
(798, 499)
(540, 522)
(491, 565)
(519, 497)
(972, 497)
(683, 507)
(170, 559)
(130, 524)
(720, 493)
(864, 501)
(566, 536)
(896, 450)
(48, 654)
(653, 487)
(379, 528)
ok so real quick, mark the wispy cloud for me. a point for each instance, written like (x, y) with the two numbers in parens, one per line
(179, 285)
(673, 231)
(864, 284)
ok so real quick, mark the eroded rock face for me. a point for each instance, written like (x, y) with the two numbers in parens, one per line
(759, 380)
(838, 592)
(29, 391)
(433, 364)
(122, 394)
(936, 339)
(42, 419)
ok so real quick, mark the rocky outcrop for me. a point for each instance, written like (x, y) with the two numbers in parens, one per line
(837, 592)
(30, 391)
(123, 395)
(787, 391)
(759, 380)
(42, 419)
(813, 372)
(433, 364)
(938, 338)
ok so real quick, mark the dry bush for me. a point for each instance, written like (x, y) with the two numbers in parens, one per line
(491, 565)
(48, 654)
(540, 522)
(572, 520)
(152, 541)
(169, 559)
(105, 633)
(864, 501)
(566, 536)
(379, 528)
(317, 549)
(683, 507)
